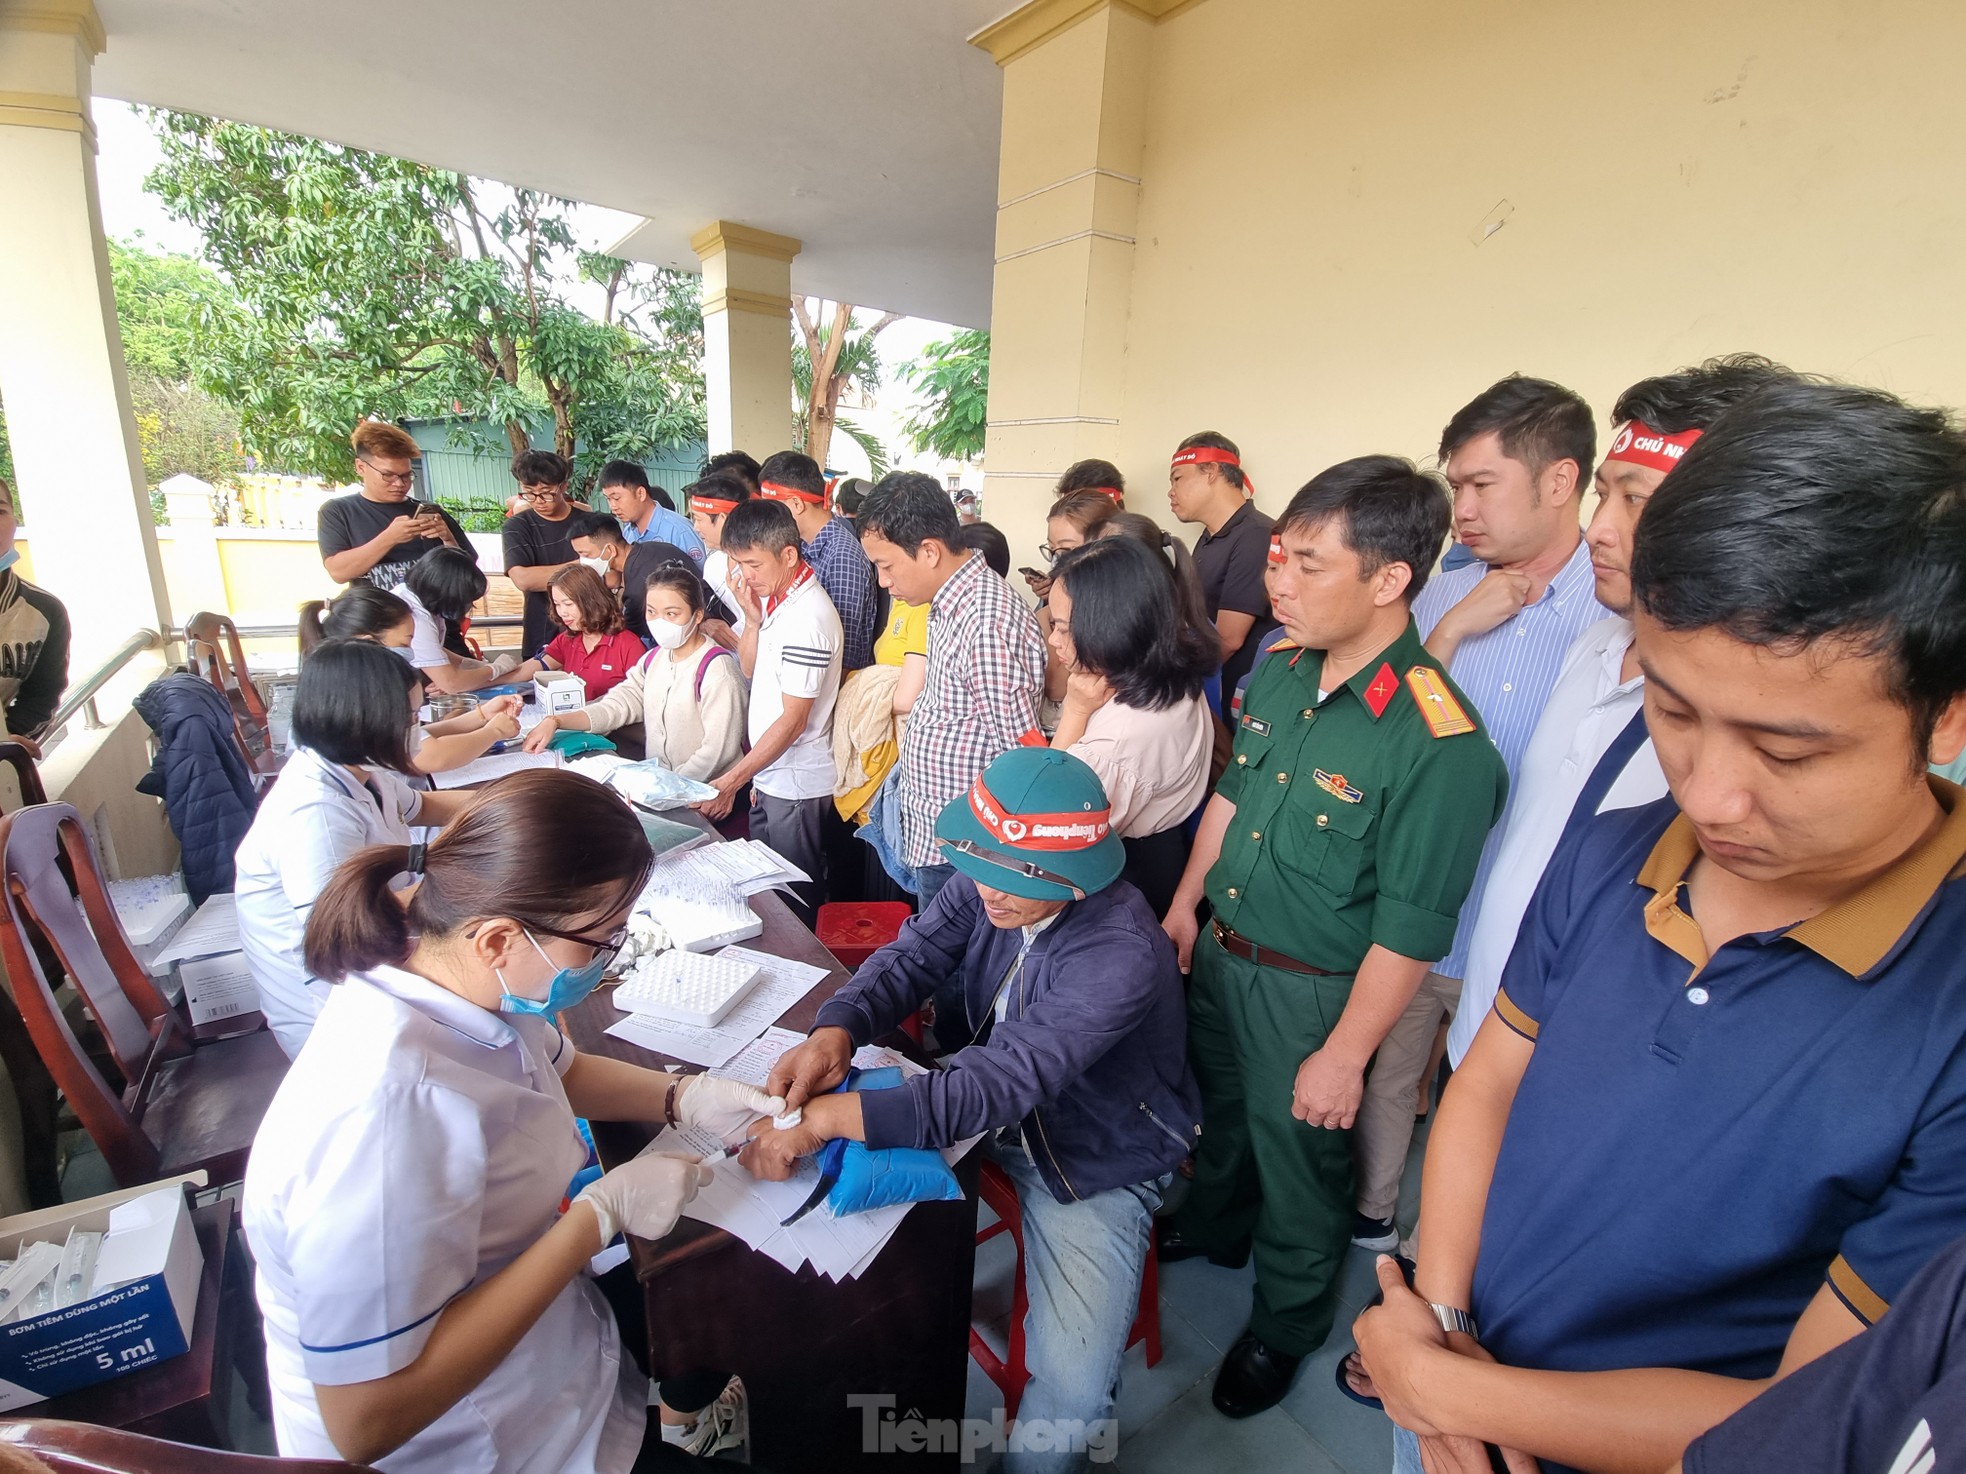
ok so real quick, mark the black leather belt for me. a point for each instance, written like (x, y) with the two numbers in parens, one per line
(1238, 945)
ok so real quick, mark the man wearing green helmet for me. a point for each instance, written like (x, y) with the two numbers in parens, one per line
(1077, 1067)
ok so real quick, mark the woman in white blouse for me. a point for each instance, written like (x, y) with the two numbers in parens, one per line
(688, 692)
(344, 787)
(1133, 707)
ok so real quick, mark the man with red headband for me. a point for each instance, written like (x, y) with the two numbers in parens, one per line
(795, 481)
(1206, 484)
(1077, 1069)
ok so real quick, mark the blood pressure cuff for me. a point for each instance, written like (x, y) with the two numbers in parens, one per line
(878, 1179)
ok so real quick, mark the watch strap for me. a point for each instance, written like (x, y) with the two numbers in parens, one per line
(1453, 1319)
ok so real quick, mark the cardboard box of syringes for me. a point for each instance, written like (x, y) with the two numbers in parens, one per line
(110, 1305)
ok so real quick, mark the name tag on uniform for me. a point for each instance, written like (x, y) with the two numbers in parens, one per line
(1335, 785)
(1257, 725)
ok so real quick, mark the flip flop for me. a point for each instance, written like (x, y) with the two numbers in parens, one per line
(1345, 1386)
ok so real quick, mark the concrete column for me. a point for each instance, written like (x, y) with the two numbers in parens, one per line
(747, 336)
(1069, 180)
(62, 376)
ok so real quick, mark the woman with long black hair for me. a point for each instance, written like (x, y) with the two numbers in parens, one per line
(1133, 709)
(426, 1302)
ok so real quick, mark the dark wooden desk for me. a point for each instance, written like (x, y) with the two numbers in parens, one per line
(187, 1398)
(802, 1343)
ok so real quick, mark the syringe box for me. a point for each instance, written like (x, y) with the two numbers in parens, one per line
(555, 691)
(150, 1262)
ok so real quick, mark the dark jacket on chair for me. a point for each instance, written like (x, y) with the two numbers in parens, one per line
(1091, 1057)
(201, 776)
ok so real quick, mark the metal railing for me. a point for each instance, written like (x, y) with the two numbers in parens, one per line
(82, 697)
(277, 631)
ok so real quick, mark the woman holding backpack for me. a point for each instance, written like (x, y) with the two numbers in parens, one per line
(688, 691)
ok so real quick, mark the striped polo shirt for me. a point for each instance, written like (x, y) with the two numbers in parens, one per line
(1508, 673)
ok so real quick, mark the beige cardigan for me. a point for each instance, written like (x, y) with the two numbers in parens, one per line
(696, 739)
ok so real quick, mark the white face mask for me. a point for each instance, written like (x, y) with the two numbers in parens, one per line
(599, 565)
(669, 636)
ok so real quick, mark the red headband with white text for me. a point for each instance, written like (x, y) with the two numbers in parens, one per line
(1068, 831)
(1211, 455)
(1640, 445)
(780, 493)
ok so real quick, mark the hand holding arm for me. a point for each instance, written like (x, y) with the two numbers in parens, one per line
(811, 1068)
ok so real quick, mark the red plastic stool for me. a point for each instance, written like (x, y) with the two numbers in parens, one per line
(1010, 1374)
(853, 931)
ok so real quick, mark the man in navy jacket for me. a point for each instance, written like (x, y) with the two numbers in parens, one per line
(1078, 1068)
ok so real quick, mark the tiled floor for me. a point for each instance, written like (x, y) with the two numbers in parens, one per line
(1166, 1420)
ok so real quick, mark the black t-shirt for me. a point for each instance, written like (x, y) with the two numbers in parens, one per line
(1890, 1401)
(1231, 564)
(33, 654)
(643, 559)
(533, 542)
(349, 521)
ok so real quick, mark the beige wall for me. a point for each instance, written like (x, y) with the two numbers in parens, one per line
(1310, 277)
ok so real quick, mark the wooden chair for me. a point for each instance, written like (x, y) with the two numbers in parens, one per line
(213, 648)
(190, 1104)
(83, 1448)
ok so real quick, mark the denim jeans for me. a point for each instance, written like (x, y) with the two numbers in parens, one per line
(1406, 1452)
(1082, 1267)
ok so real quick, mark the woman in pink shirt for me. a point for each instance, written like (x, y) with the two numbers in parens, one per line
(592, 643)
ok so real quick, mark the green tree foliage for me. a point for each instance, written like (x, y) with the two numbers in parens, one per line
(180, 428)
(844, 353)
(954, 377)
(363, 285)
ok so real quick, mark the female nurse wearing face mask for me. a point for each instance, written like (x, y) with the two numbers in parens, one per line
(427, 1305)
(688, 692)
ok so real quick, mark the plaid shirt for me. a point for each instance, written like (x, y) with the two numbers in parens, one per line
(837, 557)
(985, 675)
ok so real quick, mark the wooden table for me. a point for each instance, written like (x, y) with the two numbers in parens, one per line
(802, 1343)
(186, 1398)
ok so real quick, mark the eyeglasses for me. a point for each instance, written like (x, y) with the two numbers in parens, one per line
(540, 493)
(605, 949)
(1051, 554)
(393, 478)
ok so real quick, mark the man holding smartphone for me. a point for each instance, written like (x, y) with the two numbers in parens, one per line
(378, 532)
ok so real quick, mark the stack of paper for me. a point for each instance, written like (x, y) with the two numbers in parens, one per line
(211, 930)
(495, 765)
(784, 983)
(738, 868)
(754, 1211)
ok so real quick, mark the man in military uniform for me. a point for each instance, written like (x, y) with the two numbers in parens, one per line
(1336, 854)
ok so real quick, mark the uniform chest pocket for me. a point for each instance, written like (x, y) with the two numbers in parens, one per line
(1333, 837)
(1251, 747)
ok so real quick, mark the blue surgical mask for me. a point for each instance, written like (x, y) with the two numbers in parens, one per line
(9, 558)
(570, 985)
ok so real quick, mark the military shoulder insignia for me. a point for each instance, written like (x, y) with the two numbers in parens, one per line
(1335, 785)
(1438, 706)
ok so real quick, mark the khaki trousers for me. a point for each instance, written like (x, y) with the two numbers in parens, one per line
(1384, 1129)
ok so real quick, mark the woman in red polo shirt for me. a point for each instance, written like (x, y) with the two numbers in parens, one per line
(592, 642)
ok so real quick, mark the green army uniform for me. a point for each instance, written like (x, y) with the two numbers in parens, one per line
(1355, 824)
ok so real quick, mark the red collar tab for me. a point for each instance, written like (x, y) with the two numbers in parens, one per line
(780, 493)
(776, 601)
(1641, 445)
(1211, 455)
(1381, 689)
(1080, 831)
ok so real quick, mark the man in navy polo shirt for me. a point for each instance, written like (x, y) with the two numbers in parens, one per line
(1717, 1119)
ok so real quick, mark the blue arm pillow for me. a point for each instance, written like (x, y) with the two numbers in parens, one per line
(877, 1179)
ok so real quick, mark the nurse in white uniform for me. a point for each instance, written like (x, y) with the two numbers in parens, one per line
(342, 789)
(427, 1307)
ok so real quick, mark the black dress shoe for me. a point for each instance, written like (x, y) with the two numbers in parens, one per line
(1172, 1248)
(1253, 1379)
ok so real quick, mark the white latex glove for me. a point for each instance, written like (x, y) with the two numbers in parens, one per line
(505, 664)
(722, 1107)
(644, 1197)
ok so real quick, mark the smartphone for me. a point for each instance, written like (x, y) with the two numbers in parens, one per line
(1033, 573)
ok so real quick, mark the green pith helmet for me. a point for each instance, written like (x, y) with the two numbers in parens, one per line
(1036, 824)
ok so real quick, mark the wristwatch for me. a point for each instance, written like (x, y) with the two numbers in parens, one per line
(1452, 1320)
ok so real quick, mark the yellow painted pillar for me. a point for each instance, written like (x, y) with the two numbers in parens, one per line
(62, 377)
(747, 336)
(1068, 190)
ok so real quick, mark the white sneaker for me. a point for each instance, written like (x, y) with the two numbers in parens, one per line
(724, 1427)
